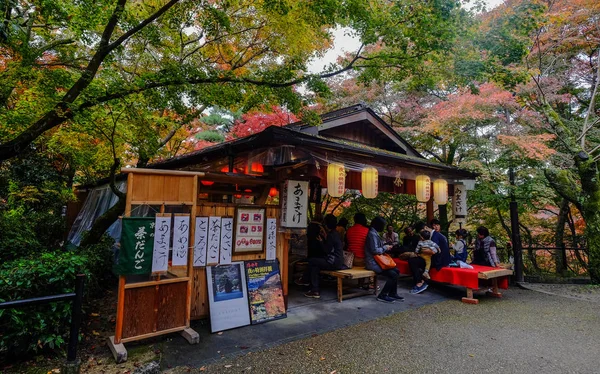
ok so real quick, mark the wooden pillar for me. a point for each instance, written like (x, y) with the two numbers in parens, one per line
(429, 210)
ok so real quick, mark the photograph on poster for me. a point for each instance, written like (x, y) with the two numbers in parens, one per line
(227, 282)
(249, 230)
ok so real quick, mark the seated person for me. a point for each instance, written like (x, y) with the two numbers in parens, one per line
(425, 243)
(374, 246)
(315, 235)
(460, 247)
(485, 249)
(333, 260)
(411, 239)
(356, 236)
(390, 237)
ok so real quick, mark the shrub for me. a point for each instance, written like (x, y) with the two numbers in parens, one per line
(45, 328)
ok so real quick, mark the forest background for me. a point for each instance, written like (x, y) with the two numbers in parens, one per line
(88, 87)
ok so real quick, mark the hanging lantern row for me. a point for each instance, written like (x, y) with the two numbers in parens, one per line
(423, 190)
(336, 181)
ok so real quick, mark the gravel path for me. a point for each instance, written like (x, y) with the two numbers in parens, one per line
(525, 332)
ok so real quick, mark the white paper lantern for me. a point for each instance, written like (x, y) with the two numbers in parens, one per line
(423, 187)
(336, 179)
(440, 191)
(370, 182)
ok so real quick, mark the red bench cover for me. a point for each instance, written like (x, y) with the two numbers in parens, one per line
(462, 277)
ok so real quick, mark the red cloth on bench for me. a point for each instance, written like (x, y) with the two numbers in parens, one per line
(462, 277)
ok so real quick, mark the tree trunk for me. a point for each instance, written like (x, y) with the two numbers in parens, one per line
(559, 238)
(590, 185)
(103, 223)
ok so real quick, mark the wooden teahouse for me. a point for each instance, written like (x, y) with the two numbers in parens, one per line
(252, 172)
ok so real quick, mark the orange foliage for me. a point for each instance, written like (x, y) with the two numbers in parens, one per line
(530, 146)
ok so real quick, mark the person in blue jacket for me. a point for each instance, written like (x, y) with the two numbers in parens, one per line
(374, 246)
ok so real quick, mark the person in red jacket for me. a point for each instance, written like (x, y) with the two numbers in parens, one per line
(356, 237)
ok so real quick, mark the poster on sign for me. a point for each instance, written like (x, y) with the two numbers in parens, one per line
(181, 239)
(265, 293)
(226, 240)
(200, 241)
(162, 241)
(227, 296)
(249, 230)
(295, 208)
(459, 203)
(214, 239)
(271, 238)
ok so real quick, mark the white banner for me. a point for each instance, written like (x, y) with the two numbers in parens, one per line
(200, 241)
(214, 238)
(181, 240)
(271, 238)
(295, 209)
(226, 240)
(162, 239)
(459, 203)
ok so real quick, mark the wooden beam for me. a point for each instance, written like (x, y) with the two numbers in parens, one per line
(161, 172)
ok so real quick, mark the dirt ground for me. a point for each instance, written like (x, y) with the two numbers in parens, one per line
(100, 324)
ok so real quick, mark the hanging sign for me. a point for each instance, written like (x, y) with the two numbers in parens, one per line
(226, 240)
(265, 293)
(214, 238)
(200, 241)
(162, 240)
(227, 296)
(459, 204)
(181, 240)
(249, 231)
(295, 209)
(271, 238)
(137, 241)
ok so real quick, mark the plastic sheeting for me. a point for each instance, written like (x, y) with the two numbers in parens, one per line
(98, 201)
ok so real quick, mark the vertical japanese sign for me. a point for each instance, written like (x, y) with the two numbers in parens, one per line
(271, 238)
(200, 241)
(459, 203)
(181, 240)
(214, 238)
(137, 240)
(226, 240)
(296, 206)
(249, 230)
(162, 239)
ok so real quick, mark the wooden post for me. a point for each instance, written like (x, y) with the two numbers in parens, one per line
(120, 308)
(429, 205)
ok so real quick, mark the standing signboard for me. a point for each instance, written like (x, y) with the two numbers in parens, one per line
(265, 293)
(227, 296)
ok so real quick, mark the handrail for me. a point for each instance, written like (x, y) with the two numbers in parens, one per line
(77, 299)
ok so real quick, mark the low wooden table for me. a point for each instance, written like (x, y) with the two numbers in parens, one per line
(492, 275)
(354, 273)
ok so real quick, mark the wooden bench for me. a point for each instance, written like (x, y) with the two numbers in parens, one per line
(468, 278)
(354, 273)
